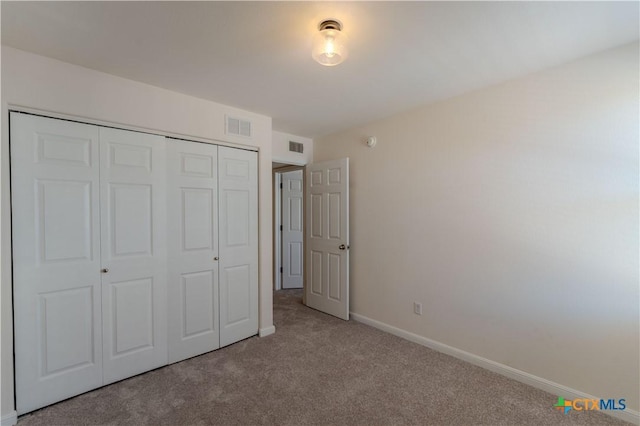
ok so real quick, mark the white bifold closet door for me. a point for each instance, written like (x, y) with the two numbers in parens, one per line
(129, 250)
(238, 197)
(213, 247)
(89, 255)
(55, 192)
(134, 252)
(192, 185)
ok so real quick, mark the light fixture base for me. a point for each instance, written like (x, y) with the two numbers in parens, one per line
(330, 24)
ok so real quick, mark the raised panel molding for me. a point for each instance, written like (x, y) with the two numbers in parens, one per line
(238, 169)
(333, 277)
(122, 155)
(66, 330)
(132, 316)
(63, 228)
(334, 216)
(197, 232)
(237, 232)
(63, 150)
(238, 294)
(334, 177)
(295, 185)
(316, 178)
(295, 214)
(194, 165)
(295, 258)
(198, 290)
(131, 220)
(316, 272)
(316, 216)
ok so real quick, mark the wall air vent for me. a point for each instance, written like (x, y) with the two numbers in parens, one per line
(238, 127)
(296, 147)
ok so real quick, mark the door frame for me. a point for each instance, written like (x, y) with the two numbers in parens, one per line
(277, 221)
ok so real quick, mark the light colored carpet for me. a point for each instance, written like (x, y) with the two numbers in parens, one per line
(318, 370)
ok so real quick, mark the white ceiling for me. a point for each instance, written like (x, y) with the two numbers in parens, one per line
(257, 55)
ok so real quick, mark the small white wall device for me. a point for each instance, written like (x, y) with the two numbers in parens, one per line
(371, 141)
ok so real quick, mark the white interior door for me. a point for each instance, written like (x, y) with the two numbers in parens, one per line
(192, 195)
(327, 260)
(56, 259)
(238, 198)
(133, 239)
(292, 220)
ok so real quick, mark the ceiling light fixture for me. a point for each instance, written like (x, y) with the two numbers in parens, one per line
(329, 44)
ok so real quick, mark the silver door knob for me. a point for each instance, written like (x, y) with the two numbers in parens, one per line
(105, 270)
(342, 247)
(216, 258)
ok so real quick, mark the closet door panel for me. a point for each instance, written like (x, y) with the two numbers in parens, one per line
(238, 244)
(56, 259)
(192, 184)
(133, 240)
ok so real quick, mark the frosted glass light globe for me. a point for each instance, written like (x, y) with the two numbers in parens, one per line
(329, 45)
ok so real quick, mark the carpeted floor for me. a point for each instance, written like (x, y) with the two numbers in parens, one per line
(318, 370)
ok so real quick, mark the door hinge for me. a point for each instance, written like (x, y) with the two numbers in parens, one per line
(281, 227)
(280, 185)
(281, 269)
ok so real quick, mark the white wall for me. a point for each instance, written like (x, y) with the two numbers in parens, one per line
(55, 87)
(281, 153)
(511, 213)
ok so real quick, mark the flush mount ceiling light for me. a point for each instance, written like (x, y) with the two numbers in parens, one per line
(329, 44)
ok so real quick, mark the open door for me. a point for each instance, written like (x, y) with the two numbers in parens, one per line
(327, 248)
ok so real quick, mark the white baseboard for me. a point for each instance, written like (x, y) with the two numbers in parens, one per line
(264, 332)
(9, 419)
(556, 389)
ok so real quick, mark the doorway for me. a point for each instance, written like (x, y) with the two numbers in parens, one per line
(313, 253)
(288, 230)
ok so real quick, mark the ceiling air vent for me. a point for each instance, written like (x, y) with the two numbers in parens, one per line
(239, 127)
(296, 147)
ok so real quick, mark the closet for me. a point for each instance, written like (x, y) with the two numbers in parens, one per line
(130, 251)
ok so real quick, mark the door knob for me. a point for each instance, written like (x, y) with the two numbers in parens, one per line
(342, 247)
(216, 258)
(105, 270)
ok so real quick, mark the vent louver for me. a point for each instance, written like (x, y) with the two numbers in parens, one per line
(239, 127)
(296, 147)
